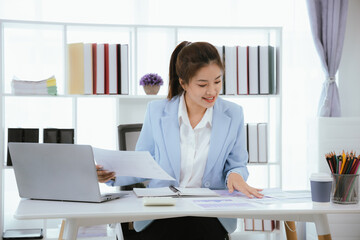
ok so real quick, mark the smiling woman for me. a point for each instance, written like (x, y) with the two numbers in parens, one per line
(196, 137)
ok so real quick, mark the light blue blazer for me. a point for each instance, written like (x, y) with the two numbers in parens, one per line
(160, 135)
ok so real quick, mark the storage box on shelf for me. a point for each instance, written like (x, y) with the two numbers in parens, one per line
(36, 50)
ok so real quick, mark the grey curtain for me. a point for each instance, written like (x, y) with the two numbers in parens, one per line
(328, 21)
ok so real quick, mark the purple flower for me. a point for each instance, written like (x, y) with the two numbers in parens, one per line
(151, 79)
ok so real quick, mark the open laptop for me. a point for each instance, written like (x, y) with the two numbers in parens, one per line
(51, 171)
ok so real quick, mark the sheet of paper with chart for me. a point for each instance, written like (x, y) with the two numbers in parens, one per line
(130, 163)
(271, 196)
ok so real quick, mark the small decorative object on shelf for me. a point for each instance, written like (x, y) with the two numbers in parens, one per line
(151, 83)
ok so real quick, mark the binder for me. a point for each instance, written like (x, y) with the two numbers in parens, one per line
(262, 142)
(21, 135)
(50, 135)
(249, 224)
(66, 136)
(242, 70)
(124, 69)
(76, 68)
(118, 67)
(112, 69)
(272, 70)
(230, 70)
(246, 137)
(223, 89)
(88, 69)
(106, 68)
(264, 70)
(269, 225)
(221, 54)
(253, 142)
(100, 69)
(258, 225)
(55, 135)
(94, 67)
(253, 70)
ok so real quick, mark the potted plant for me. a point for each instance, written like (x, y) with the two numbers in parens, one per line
(151, 83)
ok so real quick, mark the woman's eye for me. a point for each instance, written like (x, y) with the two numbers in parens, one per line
(217, 82)
(202, 85)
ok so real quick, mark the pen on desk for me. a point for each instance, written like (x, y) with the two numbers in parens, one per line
(175, 190)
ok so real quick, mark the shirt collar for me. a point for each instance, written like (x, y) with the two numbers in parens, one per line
(183, 117)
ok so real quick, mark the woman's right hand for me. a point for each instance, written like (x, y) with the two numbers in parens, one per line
(104, 175)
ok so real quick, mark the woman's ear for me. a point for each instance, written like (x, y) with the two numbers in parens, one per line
(182, 84)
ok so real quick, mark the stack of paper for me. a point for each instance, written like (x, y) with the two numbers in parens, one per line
(42, 87)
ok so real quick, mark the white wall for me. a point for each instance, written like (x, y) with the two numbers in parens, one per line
(349, 90)
(347, 227)
(349, 69)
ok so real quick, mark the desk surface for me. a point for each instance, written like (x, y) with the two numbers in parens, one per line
(130, 208)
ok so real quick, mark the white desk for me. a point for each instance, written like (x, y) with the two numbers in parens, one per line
(131, 208)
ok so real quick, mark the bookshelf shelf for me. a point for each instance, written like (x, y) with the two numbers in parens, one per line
(119, 96)
(37, 38)
(88, 96)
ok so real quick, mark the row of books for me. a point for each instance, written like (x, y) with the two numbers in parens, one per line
(248, 70)
(27, 87)
(261, 225)
(98, 68)
(257, 142)
(50, 135)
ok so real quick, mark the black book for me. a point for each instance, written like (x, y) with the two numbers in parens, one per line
(21, 135)
(50, 135)
(66, 136)
(56, 135)
(118, 67)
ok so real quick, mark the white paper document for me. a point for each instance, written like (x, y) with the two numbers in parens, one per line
(271, 196)
(221, 203)
(130, 163)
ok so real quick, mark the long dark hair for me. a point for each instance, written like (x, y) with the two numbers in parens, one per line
(186, 60)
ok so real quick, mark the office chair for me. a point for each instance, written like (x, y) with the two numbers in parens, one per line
(128, 135)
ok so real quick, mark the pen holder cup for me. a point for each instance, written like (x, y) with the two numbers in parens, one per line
(345, 188)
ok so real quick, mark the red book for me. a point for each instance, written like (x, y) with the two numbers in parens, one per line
(94, 66)
(106, 66)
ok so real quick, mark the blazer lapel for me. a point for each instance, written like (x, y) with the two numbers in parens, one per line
(171, 135)
(220, 128)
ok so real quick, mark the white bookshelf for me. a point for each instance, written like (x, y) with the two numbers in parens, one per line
(144, 42)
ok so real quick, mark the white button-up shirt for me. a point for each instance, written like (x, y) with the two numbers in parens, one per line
(194, 145)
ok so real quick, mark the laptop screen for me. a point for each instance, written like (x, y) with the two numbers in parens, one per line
(55, 171)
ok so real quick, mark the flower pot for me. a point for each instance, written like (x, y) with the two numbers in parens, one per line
(151, 89)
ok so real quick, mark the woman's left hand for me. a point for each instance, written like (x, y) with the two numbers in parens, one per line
(236, 182)
(104, 175)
